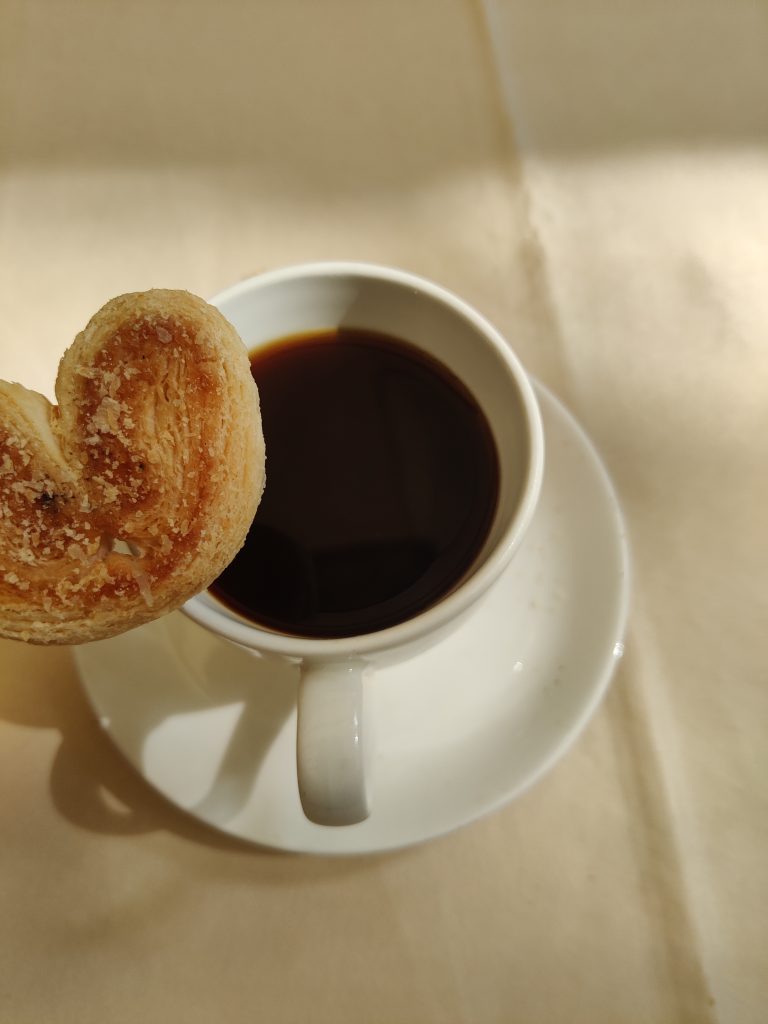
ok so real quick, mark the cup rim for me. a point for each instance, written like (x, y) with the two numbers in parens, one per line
(459, 600)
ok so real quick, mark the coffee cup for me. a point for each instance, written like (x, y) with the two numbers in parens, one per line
(335, 766)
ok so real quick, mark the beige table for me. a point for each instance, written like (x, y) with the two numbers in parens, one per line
(594, 178)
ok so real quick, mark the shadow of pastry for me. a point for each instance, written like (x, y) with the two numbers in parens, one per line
(96, 788)
(212, 709)
(91, 785)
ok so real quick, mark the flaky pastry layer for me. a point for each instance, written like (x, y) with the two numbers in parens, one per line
(138, 488)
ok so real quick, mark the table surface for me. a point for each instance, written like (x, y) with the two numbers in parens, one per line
(593, 178)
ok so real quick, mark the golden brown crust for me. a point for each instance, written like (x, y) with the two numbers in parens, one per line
(138, 489)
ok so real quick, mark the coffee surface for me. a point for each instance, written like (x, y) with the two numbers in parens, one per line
(382, 483)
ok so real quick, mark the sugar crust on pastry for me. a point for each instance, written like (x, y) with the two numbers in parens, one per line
(138, 488)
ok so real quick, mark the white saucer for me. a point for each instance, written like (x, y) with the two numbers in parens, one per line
(460, 730)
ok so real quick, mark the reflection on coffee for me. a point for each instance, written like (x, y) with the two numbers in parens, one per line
(382, 482)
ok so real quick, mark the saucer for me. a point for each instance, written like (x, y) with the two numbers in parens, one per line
(461, 729)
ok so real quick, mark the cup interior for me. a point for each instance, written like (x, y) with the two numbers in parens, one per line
(324, 296)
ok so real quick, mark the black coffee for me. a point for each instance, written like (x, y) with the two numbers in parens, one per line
(382, 481)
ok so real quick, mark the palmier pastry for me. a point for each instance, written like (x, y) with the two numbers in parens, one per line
(138, 489)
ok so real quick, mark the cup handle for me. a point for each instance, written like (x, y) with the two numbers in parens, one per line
(330, 755)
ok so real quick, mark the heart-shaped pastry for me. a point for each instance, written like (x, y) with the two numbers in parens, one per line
(138, 489)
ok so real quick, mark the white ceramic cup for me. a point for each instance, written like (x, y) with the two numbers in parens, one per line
(333, 734)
